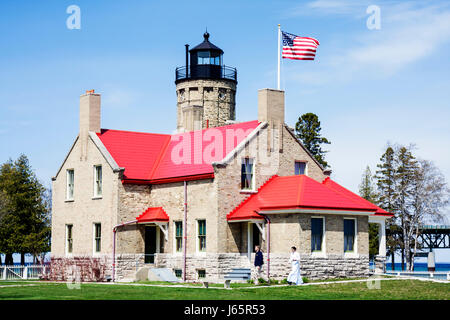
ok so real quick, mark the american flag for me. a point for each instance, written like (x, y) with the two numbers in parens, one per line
(298, 48)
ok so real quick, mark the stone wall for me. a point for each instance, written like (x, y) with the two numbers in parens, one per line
(266, 163)
(217, 97)
(201, 205)
(314, 268)
(218, 265)
(85, 209)
(380, 264)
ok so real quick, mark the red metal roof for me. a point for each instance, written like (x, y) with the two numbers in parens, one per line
(153, 214)
(338, 188)
(299, 192)
(157, 158)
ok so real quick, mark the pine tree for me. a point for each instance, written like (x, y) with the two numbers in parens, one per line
(387, 196)
(367, 191)
(308, 129)
(405, 169)
(25, 227)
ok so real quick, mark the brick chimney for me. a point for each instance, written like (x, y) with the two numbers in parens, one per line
(89, 118)
(271, 110)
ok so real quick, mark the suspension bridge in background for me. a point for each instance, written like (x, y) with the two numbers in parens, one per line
(430, 237)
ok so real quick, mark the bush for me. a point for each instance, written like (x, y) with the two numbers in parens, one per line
(305, 279)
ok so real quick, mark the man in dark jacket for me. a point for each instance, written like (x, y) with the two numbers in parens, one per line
(259, 261)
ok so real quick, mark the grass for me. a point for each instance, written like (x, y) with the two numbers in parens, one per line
(390, 290)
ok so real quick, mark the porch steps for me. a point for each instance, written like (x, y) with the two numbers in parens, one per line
(239, 274)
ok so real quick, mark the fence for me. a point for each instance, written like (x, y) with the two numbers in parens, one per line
(443, 275)
(21, 272)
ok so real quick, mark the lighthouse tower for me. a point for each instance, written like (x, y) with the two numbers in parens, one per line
(206, 89)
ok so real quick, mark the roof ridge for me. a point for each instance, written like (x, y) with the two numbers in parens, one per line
(345, 195)
(128, 131)
(252, 195)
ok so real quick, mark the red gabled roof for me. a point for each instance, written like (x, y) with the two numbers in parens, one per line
(155, 214)
(338, 188)
(156, 158)
(298, 192)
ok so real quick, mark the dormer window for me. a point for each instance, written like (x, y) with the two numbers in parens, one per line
(300, 167)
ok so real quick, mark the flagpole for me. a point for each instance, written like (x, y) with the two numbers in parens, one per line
(279, 56)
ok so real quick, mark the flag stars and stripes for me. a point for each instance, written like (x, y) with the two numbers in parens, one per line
(298, 48)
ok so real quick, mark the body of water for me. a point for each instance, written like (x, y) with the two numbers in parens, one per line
(420, 266)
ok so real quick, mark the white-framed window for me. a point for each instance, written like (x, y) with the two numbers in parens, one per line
(98, 181)
(70, 179)
(201, 235)
(350, 235)
(69, 239)
(300, 167)
(247, 174)
(178, 236)
(318, 235)
(97, 236)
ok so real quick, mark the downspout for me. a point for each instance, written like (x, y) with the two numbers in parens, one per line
(114, 245)
(268, 246)
(185, 231)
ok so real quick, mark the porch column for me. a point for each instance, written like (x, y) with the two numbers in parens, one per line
(380, 259)
(382, 238)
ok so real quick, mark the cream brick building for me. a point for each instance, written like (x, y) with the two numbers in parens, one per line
(178, 201)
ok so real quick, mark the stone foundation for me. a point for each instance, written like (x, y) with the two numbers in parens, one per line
(218, 265)
(380, 264)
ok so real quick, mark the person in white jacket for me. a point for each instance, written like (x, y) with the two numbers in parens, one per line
(295, 278)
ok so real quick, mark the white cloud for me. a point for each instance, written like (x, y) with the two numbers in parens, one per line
(409, 32)
(327, 7)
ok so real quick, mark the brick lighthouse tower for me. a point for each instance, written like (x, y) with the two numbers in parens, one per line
(206, 88)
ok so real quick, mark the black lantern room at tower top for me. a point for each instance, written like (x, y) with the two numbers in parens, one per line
(206, 62)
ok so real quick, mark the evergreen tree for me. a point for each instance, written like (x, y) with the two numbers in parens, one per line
(405, 170)
(387, 196)
(308, 129)
(367, 188)
(367, 191)
(4, 208)
(25, 228)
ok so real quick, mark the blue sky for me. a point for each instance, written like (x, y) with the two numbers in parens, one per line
(367, 86)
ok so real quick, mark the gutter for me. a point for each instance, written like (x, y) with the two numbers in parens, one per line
(268, 247)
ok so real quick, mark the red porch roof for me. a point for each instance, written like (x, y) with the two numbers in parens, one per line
(150, 157)
(153, 214)
(300, 192)
(338, 188)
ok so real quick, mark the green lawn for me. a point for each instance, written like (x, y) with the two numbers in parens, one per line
(390, 290)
